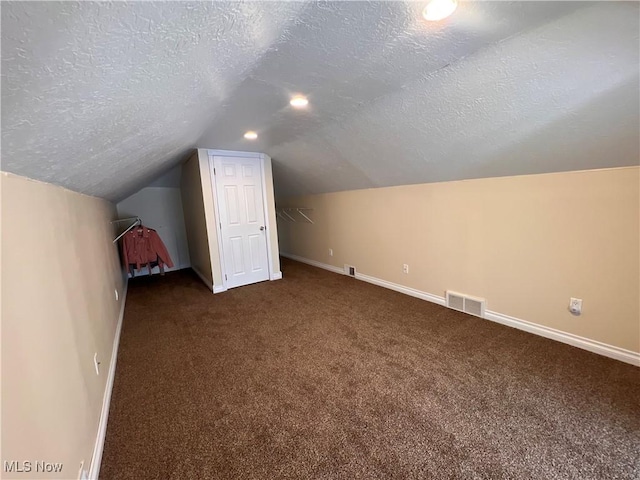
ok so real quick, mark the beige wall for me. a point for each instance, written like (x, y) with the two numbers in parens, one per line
(59, 272)
(197, 235)
(525, 243)
(195, 219)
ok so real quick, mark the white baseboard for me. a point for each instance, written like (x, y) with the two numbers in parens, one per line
(402, 289)
(96, 460)
(594, 346)
(331, 268)
(276, 276)
(369, 279)
(207, 282)
(203, 278)
(144, 271)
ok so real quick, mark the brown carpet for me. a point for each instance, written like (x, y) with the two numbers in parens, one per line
(323, 376)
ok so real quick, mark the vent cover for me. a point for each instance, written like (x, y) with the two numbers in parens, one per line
(349, 270)
(466, 303)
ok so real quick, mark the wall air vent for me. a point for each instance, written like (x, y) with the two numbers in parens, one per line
(349, 270)
(466, 303)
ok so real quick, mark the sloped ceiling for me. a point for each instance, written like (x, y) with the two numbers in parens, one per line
(102, 98)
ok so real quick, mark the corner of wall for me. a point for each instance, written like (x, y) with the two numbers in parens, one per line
(272, 219)
(209, 201)
(195, 217)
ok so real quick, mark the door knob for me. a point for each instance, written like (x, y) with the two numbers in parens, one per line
(261, 229)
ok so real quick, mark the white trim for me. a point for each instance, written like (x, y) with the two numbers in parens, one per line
(217, 227)
(331, 268)
(203, 278)
(276, 276)
(96, 459)
(144, 271)
(369, 279)
(232, 153)
(593, 346)
(402, 289)
(208, 188)
(265, 208)
(219, 289)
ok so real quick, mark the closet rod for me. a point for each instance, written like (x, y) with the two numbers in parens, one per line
(136, 220)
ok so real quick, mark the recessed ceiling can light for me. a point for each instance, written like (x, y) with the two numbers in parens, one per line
(439, 9)
(250, 135)
(299, 101)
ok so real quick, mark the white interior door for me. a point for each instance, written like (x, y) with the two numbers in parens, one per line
(242, 220)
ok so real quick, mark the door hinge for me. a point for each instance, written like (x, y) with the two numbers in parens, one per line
(225, 276)
(214, 170)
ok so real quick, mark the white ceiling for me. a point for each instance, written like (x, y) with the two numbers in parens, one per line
(102, 98)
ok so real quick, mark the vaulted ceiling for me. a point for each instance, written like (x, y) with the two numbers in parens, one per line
(103, 97)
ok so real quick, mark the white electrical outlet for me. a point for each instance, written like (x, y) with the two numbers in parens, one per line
(575, 306)
(96, 363)
(331, 252)
(405, 268)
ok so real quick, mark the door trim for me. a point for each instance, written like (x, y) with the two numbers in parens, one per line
(233, 154)
(216, 227)
(267, 225)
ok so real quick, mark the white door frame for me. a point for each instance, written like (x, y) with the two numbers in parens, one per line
(231, 153)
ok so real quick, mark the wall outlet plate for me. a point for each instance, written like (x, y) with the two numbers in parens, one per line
(575, 306)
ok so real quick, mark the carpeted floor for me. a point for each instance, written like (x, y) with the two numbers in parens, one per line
(323, 376)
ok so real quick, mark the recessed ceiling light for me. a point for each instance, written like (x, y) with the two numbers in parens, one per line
(250, 135)
(299, 101)
(439, 9)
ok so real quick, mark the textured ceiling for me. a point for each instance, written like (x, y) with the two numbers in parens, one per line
(102, 98)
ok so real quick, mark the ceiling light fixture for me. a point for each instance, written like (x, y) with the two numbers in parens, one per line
(299, 101)
(250, 135)
(439, 9)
